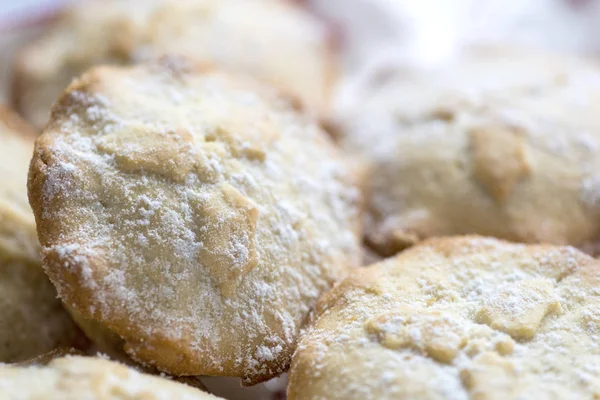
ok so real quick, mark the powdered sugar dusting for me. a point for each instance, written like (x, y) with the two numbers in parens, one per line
(211, 214)
(457, 318)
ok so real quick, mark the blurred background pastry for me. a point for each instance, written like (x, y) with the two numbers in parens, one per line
(271, 39)
(32, 319)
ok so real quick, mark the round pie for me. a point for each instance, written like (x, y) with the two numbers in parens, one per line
(32, 319)
(272, 39)
(77, 378)
(195, 214)
(502, 145)
(457, 318)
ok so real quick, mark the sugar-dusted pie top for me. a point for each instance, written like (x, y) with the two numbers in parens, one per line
(457, 318)
(197, 215)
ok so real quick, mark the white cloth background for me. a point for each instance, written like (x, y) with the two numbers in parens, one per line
(427, 32)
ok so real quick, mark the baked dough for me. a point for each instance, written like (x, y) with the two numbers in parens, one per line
(195, 214)
(457, 318)
(77, 378)
(108, 343)
(273, 39)
(32, 320)
(501, 144)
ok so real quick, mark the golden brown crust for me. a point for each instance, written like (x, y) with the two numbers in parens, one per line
(244, 241)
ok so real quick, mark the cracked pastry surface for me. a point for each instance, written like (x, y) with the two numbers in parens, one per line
(76, 378)
(196, 215)
(32, 320)
(502, 144)
(457, 318)
(271, 39)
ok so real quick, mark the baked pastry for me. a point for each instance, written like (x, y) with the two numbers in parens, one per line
(272, 39)
(195, 214)
(107, 343)
(457, 318)
(499, 146)
(76, 378)
(32, 320)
